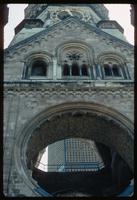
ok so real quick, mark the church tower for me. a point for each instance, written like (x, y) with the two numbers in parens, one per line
(68, 76)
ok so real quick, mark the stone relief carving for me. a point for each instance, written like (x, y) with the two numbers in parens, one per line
(70, 25)
(37, 93)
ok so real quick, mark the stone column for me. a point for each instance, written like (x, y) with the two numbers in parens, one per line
(94, 72)
(97, 71)
(54, 68)
(100, 74)
(127, 71)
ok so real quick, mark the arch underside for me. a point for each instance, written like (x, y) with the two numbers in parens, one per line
(80, 123)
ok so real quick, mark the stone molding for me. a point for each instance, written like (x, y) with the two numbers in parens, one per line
(110, 24)
(82, 47)
(121, 59)
(71, 87)
(29, 23)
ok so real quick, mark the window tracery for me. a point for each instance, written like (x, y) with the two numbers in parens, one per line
(73, 66)
(75, 61)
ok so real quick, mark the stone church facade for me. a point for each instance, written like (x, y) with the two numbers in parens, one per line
(64, 61)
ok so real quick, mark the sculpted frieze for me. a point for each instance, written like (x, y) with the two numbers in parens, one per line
(50, 92)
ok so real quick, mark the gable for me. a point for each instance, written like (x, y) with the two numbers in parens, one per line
(67, 30)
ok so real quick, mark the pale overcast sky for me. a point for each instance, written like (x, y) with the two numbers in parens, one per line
(118, 12)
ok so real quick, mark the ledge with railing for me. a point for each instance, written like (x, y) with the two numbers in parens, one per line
(71, 167)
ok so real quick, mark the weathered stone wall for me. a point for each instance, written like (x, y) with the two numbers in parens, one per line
(23, 102)
(25, 99)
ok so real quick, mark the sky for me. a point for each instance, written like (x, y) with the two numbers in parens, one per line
(118, 12)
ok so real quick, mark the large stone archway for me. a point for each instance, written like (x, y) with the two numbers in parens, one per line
(78, 119)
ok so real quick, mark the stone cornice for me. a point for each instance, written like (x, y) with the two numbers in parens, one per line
(111, 22)
(69, 87)
(38, 23)
(64, 22)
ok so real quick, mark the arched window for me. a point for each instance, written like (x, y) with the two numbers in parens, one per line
(39, 68)
(66, 70)
(112, 70)
(116, 70)
(75, 60)
(84, 70)
(75, 69)
(112, 66)
(107, 70)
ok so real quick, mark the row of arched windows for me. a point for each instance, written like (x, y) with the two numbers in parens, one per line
(108, 70)
(39, 68)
